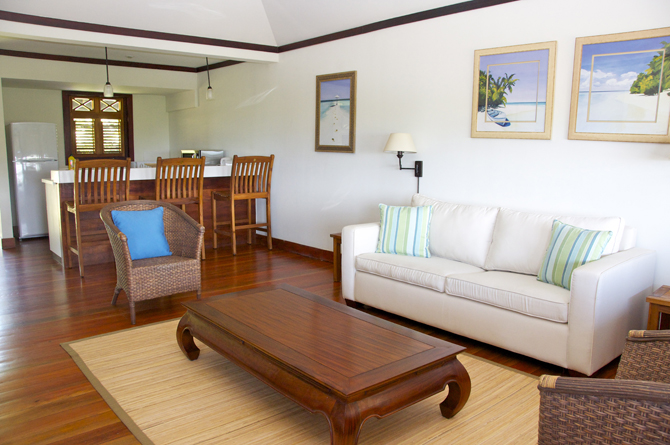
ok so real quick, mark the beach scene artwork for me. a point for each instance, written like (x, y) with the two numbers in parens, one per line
(334, 112)
(624, 87)
(513, 91)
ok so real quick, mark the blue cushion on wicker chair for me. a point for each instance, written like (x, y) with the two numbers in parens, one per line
(145, 232)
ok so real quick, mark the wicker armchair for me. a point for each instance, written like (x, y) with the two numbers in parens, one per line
(632, 409)
(157, 277)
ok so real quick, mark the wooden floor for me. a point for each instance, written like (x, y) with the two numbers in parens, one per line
(44, 398)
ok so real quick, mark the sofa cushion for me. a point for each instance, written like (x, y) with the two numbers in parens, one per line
(613, 224)
(520, 239)
(569, 248)
(512, 291)
(425, 272)
(404, 230)
(459, 232)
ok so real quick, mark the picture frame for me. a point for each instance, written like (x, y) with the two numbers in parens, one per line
(517, 105)
(621, 87)
(336, 112)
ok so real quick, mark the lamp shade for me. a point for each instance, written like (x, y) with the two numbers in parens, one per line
(108, 91)
(400, 142)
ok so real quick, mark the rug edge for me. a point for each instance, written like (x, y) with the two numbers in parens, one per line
(132, 328)
(123, 416)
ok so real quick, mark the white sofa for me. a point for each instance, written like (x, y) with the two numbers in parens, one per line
(480, 282)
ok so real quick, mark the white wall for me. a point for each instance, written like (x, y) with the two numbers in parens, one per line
(418, 78)
(38, 99)
(6, 229)
(36, 105)
(150, 118)
(151, 128)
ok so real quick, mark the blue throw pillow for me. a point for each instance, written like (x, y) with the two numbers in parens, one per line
(145, 232)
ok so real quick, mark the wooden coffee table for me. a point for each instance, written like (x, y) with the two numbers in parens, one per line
(325, 356)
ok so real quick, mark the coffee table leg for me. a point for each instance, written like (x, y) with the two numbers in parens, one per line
(185, 339)
(459, 390)
(345, 425)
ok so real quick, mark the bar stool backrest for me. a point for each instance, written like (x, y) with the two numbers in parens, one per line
(251, 176)
(179, 178)
(100, 182)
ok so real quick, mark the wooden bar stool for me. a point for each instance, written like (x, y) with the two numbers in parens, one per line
(179, 181)
(96, 184)
(250, 180)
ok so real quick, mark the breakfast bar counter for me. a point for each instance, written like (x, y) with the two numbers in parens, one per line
(97, 249)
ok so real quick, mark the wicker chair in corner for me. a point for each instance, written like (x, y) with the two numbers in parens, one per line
(632, 409)
(157, 277)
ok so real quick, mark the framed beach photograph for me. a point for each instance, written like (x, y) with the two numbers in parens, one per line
(336, 112)
(621, 87)
(513, 91)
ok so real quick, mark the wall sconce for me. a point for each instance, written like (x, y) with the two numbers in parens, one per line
(209, 95)
(108, 91)
(401, 143)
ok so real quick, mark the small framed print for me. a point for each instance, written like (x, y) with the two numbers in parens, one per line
(514, 91)
(621, 87)
(336, 112)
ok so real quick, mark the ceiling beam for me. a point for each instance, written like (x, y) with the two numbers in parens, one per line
(397, 21)
(131, 32)
(90, 60)
(203, 42)
(93, 61)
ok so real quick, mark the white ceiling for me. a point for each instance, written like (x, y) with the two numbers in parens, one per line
(264, 22)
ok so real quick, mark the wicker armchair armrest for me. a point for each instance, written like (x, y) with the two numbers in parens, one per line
(646, 356)
(600, 411)
(184, 234)
(117, 239)
(643, 336)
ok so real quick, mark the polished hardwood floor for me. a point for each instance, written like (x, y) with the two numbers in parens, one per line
(44, 397)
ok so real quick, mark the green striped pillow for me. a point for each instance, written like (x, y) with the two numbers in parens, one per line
(569, 248)
(404, 230)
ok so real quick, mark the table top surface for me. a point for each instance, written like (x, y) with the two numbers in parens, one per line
(339, 346)
(661, 296)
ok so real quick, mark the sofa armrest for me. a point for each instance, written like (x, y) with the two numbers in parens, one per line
(356, 239)
(607, 300)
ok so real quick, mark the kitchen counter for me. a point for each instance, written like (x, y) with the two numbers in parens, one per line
(65, 176)
(97, 249)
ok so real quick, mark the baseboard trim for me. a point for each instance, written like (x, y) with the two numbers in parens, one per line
(57, 258)
(8, 243)
(307, 251)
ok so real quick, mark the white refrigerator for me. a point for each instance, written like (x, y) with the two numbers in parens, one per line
(33, 152)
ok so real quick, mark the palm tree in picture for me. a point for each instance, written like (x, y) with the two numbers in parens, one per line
(649, 82)
(499, 88)
(493, 91)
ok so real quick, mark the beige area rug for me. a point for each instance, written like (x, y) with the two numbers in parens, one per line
(164, 398)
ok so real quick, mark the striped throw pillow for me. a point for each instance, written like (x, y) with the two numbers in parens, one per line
(569, 248)
(404, 230)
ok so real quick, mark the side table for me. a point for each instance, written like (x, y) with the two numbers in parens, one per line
(659, 303)
(337, 256)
